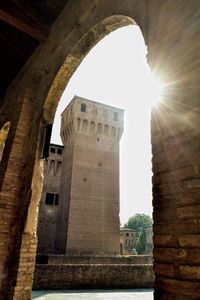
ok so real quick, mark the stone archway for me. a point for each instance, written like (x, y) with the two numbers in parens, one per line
(75, 57)
(175, 126)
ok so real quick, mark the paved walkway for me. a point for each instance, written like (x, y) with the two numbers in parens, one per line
(136, 294)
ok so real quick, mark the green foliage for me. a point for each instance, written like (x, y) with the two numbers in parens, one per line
(140, 244)
(139, 222)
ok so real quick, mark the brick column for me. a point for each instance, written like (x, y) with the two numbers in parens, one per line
(176, 188)
(26, 266)
(174, 57)
(16, 195)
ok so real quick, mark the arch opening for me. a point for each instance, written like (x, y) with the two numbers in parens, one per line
(114, 131)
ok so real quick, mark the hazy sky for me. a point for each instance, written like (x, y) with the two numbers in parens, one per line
(115, 72)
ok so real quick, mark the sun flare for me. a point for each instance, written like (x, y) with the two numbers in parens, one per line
(155, 90)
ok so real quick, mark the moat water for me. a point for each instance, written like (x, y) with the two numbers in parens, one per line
(133, 294)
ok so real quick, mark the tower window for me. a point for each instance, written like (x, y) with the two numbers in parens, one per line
(56, 199)
(52, 150)
(51, 199)
(116, 116)
(83, 107)
(59, 151)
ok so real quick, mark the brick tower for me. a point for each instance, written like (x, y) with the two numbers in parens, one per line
(89, 189)
(49, 203)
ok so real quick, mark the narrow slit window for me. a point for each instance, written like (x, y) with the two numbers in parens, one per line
(56, 199)
(51, 199)
(83, 107)
(116, 116)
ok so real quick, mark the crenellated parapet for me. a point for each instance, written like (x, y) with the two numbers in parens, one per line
(93, 119)
(93, 128)
(53, 164)
(67, 129)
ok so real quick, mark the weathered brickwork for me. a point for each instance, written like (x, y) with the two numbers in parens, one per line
(93, 276)
(25, 267)
(171, 30)
(175, 190)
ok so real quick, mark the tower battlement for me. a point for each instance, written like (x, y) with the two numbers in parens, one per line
(91, 118)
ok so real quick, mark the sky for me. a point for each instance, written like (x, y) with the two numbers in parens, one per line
(115, 72)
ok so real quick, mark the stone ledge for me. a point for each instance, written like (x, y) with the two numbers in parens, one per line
(93, 276)
(94, 259)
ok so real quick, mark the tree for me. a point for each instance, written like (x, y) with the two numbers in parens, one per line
(139, 222)
(140, 244)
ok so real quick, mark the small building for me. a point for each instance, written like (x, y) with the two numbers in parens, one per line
(127, 241)
(148, 241)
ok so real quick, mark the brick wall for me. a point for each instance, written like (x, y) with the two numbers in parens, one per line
(93, 276)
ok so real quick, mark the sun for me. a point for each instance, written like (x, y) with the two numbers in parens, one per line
(155, 88)
(152, 89)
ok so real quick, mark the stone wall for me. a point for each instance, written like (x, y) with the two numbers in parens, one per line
(64, 259)
(93, 276)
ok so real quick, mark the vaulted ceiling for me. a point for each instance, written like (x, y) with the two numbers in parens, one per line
(23, 24)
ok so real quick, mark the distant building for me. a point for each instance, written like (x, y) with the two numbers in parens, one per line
(48, 210)
(148, 241)
(127, 241)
